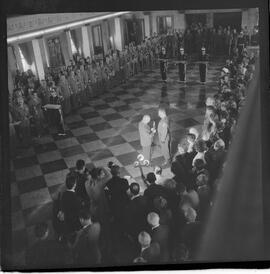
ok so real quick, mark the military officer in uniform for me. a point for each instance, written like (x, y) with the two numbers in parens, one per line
(163, 64)
(146, 136)
(182, 57)
(203, 59)
(164, 135)
(241, 42)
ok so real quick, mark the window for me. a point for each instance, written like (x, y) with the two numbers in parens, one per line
(97, 36)
(164, 23)
(97, 39)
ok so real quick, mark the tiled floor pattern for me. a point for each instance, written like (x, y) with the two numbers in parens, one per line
(103, 131)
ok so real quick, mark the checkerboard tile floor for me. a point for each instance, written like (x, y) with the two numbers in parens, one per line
(103, 131)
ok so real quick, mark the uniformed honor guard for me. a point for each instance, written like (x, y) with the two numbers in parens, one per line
(163, 64)
(146, 136)
(203, 60)
(164, 135)
(55, 115)
(241, 42)
(182, 64)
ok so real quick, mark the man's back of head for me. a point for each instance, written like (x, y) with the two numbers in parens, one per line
(151, 177)
(153, 219)
(134, 189)
(70, 181)
(144, 239)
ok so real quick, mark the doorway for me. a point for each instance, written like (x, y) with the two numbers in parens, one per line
(232, 19)
(195, 18)
(134, 30)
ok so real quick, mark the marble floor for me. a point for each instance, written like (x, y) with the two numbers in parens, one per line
(104, 130)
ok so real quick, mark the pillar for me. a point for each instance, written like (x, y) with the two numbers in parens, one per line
(38, 59)
(210, 20)
(147, 25)
(42, 51)
(45, 47)
(12, 66)
(18, 57)
(85, 42)
(118, 38)
(90, 37)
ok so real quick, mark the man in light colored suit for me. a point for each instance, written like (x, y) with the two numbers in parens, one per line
(146, 136)
(164, 135)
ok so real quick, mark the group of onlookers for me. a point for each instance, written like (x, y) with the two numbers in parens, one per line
(103, 219)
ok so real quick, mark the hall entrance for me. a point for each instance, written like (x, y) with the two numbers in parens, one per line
(232, 19)
(195, 18)
(134, 30)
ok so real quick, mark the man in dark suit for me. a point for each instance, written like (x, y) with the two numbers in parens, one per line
(118, 188)
(70, 205)
(203, 59)
(82, 173)
(150, 252)
(160, 235)
(136, 212)
(146, 136)
(154, 190)
(86, 246)
(191, 232)
(179, 166)
(46, 253)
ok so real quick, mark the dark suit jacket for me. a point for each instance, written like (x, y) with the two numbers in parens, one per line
(136, 216)
(160, 235)
(154, 191)
(86, 248)
(152, 253)
(70, 205)
(191, 236)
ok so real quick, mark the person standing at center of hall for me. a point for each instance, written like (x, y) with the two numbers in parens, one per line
(146, 136)
(164, 135)
(163, 64)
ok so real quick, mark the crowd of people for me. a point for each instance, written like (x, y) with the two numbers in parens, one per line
(104, 219)
(72, 86)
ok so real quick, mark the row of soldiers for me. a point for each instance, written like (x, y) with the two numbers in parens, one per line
(71, 87)
(217, 41)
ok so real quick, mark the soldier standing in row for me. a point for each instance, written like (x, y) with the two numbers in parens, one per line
(163, 64)
(203, 59)
(182, 58)
(65, 92)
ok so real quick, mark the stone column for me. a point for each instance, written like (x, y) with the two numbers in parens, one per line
(90, 36)
(210, 20)
(85, 42)
(38, 59)
(18, 57)
(147, 25)
(118, 38)
(45, 47)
